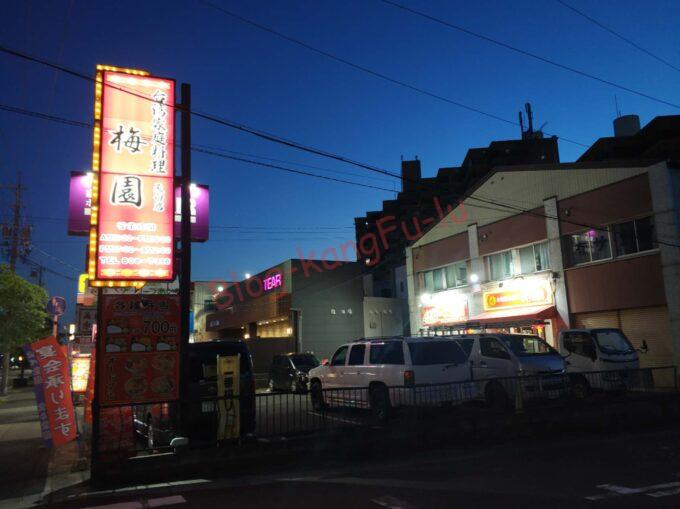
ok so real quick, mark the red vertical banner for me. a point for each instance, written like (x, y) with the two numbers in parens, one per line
(52, 384)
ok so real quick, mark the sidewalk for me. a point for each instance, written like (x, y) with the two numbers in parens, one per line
(28, 470)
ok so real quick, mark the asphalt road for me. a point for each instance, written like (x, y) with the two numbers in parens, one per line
(625, 470)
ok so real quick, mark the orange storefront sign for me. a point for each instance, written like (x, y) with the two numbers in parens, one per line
(132, 228)
(522, 293)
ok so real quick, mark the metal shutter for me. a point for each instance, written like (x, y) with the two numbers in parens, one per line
(606, 319)
(652, 325)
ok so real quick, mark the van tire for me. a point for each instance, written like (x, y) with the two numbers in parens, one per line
(316, 395)
(379, 400)
(496, 397)
(580, 387)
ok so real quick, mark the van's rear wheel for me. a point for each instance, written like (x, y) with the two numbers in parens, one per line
(580, 387)
(380, 403)
(496, 397)
(316, 395)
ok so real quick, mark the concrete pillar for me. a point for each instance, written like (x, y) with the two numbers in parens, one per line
(413, 309)
(552, 228)
(475, 306)
(664, 184)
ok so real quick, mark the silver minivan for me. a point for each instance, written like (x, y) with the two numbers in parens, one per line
(509, 366)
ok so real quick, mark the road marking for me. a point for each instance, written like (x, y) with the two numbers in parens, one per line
(152, 502)
(659, 490)
(392, 503)
(158, 502)
(339, 419)
(383, 483)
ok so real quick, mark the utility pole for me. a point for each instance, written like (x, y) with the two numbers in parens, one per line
(14, 230)
(185, 266)
(14, 243)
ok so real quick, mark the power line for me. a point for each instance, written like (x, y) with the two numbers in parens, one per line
(494, 203)
(54, 118)
(207, 116)
(546, 60)
(616, 34)
(372, 72)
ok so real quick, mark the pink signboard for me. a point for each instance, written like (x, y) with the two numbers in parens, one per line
(80, 203)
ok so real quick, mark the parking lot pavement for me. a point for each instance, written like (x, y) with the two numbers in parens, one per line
(287, 413)
(626, 470)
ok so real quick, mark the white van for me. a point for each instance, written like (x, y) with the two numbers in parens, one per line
(600, 359)
(499, 360)
(384, 373)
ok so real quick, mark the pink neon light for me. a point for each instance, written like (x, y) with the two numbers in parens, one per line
(272, 282)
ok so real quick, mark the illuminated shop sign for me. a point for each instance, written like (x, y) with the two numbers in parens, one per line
(271, 282)
(80, 208)
(132, 231)
(519, 293)
(443, 308)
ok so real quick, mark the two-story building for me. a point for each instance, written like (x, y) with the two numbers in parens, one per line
(594, 243)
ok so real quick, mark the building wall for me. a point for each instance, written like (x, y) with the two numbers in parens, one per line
(383, 316)
(619, 284)
(442, 252)
(331, 307)
(614, 202)
(512, 231)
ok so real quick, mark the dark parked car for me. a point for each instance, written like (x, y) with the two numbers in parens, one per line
(289, 371)
(158, 423)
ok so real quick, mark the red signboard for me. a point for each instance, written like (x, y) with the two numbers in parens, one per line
(139, 350)
(89, 390)
(52, 384)
(133, 179)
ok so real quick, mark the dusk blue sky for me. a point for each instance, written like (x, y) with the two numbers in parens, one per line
(248, 76)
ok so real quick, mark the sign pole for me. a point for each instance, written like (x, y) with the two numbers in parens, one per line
(98, 347)
(185, 271)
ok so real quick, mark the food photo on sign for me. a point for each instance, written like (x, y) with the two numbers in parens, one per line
(139, 351)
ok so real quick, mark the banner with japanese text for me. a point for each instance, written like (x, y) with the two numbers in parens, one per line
(52, 384)
(134, 178)
(139, 349)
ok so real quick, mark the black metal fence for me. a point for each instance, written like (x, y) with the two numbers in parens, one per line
(271, 415)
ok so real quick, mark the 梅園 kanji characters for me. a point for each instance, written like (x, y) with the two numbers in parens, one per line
(130, 139)
(127, 190)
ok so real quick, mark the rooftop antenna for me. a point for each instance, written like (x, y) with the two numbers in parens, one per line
(521, 123)
(530, 118)
(616, 103)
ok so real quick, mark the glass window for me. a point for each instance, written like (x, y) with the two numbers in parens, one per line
(427, 353)
(588, 246)
(305, 360)
(209, 305)
(386, 353)
(339, 356)
(646, 236)
(612, 341)
(527, 260)
(634, 236)
(624, 236)
(490, 347)
(528, 345)
(456, 275)
(501, 265)
(466, 344)
(356, 355)
(439, 281)
(542, 255)
(579, 343)
(428, 279)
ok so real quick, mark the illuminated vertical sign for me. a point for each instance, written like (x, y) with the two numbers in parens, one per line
(131, 227)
